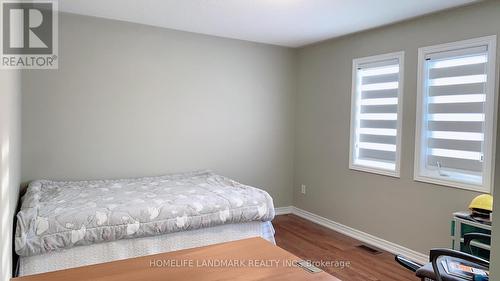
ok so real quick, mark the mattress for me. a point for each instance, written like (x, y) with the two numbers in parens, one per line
(59, 215)
(129, 248)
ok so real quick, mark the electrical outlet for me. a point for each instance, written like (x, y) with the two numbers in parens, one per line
(303, 189)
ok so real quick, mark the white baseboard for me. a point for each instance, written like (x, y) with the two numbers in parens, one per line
(356, 234)
(283, 210)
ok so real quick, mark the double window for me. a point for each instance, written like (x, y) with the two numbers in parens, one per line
(376, 114)
(455, 114)
(455, 121)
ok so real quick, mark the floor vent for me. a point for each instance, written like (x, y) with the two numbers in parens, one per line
(369, 249)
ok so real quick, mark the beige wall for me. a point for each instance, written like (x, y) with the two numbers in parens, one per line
(132, 100)
(10, 169)
(412, 214)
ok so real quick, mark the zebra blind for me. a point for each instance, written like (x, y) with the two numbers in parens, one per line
(454, 115)
(375, 120)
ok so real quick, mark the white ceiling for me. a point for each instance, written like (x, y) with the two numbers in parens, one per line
(291, 23)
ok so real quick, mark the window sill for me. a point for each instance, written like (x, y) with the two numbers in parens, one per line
(452, 184)
(394, 174)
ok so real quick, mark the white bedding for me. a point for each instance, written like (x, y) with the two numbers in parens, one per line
(58, 215)
(128, 248)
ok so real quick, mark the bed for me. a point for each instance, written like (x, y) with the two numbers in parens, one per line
(64, 224)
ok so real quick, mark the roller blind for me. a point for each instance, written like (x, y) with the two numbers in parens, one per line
(455, 92)
(375, 126)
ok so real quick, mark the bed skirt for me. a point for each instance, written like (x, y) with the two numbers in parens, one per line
(130, 248)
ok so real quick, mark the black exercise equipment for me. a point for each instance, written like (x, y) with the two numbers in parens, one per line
(435, 271)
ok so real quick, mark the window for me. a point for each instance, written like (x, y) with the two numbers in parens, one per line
(377, 85)
(455, 114)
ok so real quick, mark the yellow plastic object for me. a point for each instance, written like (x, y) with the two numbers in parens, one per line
(482, 202)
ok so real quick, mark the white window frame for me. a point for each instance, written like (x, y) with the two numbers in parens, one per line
(355, 100)
(490, 114)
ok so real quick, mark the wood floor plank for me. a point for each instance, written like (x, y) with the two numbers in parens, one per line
(313, 242)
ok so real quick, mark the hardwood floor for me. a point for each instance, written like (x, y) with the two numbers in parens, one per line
(317, 243)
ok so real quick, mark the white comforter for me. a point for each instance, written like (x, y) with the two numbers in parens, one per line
(58, 215)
